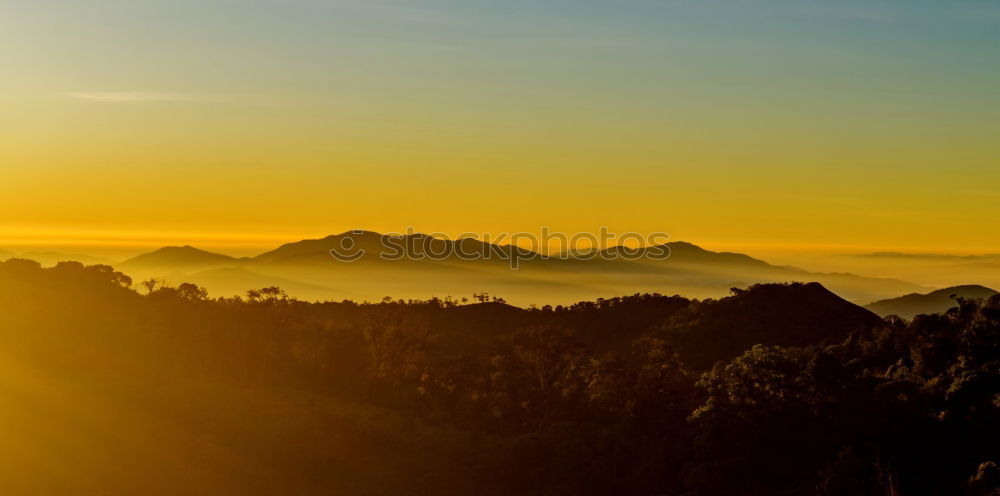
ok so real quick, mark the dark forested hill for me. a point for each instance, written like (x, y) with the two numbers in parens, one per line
(783, 315)
(776, 389)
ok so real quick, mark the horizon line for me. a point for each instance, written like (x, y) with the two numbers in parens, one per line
(128, 240)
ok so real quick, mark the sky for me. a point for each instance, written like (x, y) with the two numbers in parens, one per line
(760, 126)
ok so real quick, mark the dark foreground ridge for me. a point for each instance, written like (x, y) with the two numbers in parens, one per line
(776, 389)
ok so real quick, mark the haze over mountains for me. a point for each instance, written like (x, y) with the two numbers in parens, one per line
(47, 257)
(307, 270)
(938, 270)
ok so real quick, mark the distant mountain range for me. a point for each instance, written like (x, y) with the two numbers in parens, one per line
(49, 258)
(307, 269)
(938, 301)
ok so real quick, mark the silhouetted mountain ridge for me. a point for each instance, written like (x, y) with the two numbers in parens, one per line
(180, 257)
(939, 301)
(774, 314)
(418, 265)
(375, 244)
(416, 247)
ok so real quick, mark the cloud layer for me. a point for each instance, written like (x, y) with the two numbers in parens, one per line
(134, 97)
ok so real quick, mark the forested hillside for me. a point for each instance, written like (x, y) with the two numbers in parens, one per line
(777, 389)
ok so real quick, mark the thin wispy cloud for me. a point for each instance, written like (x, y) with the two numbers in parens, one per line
(136, 97)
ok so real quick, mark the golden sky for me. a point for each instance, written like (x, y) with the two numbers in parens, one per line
(792, 126)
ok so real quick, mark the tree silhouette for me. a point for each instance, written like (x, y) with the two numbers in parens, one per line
(152, 284)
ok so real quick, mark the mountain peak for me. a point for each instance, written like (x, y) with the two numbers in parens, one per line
(965, 289)
(185, 256)
(355, 233)
(939, 301)
(794, 314)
